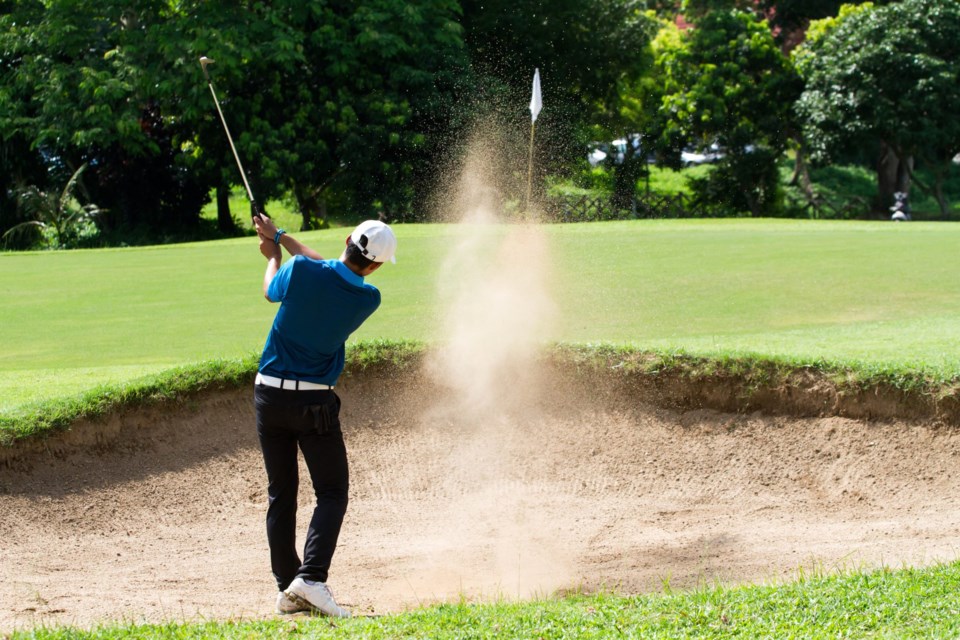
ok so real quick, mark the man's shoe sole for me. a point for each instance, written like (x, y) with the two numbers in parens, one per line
(310, 608)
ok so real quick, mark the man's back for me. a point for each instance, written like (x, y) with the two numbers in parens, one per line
(322, 303)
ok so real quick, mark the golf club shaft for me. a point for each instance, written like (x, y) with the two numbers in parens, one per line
(243, 174)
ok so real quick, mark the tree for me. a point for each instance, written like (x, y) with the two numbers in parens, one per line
(380, 77)
(789, 19)
(630, 111)
(729, 84)
(327, 99)
(76, 77)
(891, 74)
(330, 101)
(19, 163)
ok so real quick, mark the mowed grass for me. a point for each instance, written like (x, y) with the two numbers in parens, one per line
(849, 292)
(881, 295)
(909, 603)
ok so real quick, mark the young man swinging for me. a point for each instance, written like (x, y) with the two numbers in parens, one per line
(321, 303)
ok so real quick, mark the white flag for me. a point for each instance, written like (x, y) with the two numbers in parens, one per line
(536, 102)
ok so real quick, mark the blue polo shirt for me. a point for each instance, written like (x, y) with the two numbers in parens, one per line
(321, 303)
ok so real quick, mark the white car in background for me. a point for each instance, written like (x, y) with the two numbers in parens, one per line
(617, 148)
(690, 157)
(596, 157)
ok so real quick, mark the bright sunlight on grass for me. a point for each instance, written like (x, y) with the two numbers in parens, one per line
(841, 291)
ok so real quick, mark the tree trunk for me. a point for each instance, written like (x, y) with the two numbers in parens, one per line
(941, 198)
(799, 167)
(904, 170)
(625, 177)
(935, 189)
(224, 218)
(801, 178)
(893, 175)
(312, 208)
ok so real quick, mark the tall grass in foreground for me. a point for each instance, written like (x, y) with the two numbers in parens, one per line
(907, 603)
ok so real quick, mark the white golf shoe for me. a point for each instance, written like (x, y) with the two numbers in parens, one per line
(316, 596)
(286, 605)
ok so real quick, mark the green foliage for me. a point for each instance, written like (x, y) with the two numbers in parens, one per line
(375, 78)
(78, 88)
(580, 46)
(788, 17)
(889, 73)
(721, 192)
(590, 180)
(843, 192)
(330, 101)
(803, 55)
(728, 83)
(666, 181)
(587, 51)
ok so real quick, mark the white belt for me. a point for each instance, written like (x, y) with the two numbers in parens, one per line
(290, 385)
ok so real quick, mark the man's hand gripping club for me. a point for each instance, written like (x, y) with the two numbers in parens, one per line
(268, 230)
(271, 240)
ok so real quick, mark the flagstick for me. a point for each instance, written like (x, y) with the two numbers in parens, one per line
(536, 104)
(533, 126)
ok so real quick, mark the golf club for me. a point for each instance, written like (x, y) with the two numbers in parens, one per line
(204, 61)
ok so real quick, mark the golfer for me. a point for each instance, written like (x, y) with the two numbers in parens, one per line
(321, 303)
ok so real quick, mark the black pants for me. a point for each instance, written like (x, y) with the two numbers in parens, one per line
(309, 420)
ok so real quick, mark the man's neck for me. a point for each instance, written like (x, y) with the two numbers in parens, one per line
(354, 268)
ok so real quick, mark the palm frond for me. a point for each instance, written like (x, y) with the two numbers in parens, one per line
(19, 228)
(67, 193)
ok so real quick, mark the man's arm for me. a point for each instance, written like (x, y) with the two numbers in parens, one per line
(267, 230)
(271, 251)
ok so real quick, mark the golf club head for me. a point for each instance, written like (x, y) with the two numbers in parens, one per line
(204, 61)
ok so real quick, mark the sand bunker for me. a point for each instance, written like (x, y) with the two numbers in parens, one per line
(161, 517)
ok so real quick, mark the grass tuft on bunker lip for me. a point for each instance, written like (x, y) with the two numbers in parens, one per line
(753, 368)
(41, 419)
(903, 603)
(747, 372)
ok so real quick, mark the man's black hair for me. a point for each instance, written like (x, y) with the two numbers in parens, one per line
(355, 256)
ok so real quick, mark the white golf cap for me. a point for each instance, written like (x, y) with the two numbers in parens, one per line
(376, 241)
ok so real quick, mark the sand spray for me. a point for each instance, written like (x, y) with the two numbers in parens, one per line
(496, 314)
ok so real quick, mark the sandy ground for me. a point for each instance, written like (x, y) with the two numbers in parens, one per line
(162, 516)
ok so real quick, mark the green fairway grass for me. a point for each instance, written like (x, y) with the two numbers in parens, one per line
(876, 293)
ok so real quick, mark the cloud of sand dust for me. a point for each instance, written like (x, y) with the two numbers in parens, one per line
(497, 312)
(494, 291)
